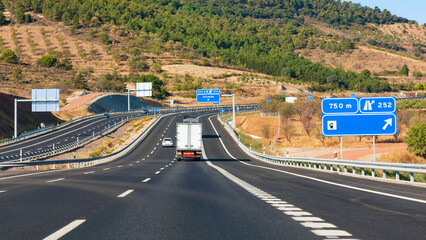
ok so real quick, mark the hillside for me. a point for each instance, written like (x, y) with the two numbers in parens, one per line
(321, 46)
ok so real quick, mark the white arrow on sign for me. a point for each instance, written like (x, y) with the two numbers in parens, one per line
(388, 122)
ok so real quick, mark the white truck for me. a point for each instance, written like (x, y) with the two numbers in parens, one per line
(189, 139)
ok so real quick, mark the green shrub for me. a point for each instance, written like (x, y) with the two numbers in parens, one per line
(9, 56)
(416, 140)
(47, 61)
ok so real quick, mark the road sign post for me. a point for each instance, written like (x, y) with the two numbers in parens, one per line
(371, 116)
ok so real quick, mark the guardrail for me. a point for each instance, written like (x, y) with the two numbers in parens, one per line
(30, 159)
(346, 166)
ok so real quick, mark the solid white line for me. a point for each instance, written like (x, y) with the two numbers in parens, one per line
(55, 180)
(68, 228)
(125, 193)
(89, 172)
(157, 172)
(317, 179)
(146, 180)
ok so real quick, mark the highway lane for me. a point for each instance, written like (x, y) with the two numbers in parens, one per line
(362, 214)
(147, 195)
(59, 137)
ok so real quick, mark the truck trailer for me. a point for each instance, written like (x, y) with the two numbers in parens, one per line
(189, 139)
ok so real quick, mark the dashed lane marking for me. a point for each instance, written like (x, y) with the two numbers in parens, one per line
(55, 180)
(106, 169)
(157, 172)
(138, 161)
(89, 172)
(125, 193)
(3, 191)
(161, 169)
(146, 180)
(131, 164)
(120, 166)
(68, 228)
(292, 211)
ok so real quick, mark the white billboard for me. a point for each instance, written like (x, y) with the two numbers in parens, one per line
(144, 89)
(38, 97)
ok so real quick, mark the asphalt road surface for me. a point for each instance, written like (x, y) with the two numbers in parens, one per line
(228, 195)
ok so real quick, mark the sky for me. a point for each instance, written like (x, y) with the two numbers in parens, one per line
(410, 9)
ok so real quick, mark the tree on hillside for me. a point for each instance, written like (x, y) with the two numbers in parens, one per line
(47, 61)
(404, 70)
(416, 139)
(9, 56)
(2, 17)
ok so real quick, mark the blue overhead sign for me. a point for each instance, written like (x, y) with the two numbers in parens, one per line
(352, 95)
(377, 105)
(208, 95)
(339, 105)
(359, 125)
(358, 116)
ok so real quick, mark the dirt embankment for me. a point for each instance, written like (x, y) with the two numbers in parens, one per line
(27, 120)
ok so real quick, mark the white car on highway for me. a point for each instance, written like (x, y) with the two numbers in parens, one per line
(167, 142)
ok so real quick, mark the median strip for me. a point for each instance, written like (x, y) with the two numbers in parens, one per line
(68, 228)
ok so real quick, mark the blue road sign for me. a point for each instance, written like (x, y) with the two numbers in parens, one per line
(377, 105)
(154, 109)
(229, 120)
(269, 100)
(358, 125)
(222, 110)
(339, 105)
(238, 108)
(352, 95)
(309, 97)
(208, 95)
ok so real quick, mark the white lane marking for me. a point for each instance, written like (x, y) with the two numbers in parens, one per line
(120, 166)
(161, 169)
(334, 233)
(319, 180)
(308, 219)
(143, 159)
(68, 228)
(55, 180)
(152, 152)
(158, 143)
(38, 149)
(157, 172)
(138, 161)
(292, 211)
(66, 140)
(318, 225)
(131, 164)
(147, 156)
(89, 172)
(146, 180)
(106, 169)
(125, 193)
(3, 191)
